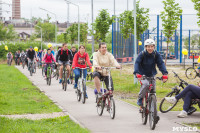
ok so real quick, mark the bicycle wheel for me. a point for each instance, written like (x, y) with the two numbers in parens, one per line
(166, 106)
(191, 73)
(31, 71)
(144, 112)
(49, 77)
(152, 112)
(78, 95)
(84, 92)
(23, 64)
(112, 108)
(100, 107)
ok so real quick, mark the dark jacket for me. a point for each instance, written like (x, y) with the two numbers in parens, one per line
(64, 55)
(146, 64)
(31, 54)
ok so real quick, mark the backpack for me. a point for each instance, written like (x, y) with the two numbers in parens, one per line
(62, 51)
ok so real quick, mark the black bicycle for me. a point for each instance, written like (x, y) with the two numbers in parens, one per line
(192, 72)
(166, 106)
(64, 76)
(31, 67)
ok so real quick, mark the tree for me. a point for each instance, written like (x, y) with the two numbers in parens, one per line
(84, 33)
(170, 18)
(102, 24)
(197, 8)
(73, 33)
(7, 32)
(109, 37)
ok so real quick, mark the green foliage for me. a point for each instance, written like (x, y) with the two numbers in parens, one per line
(14, 46)
(7, 33)
(101, 25)
(170, 17)
(83, 32)
(197, 8)
(109, 37)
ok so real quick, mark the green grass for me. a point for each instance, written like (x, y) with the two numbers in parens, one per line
(55, 125)
(128, 91)
(194, 125)
(19, 96)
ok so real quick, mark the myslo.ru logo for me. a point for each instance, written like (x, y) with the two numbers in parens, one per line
(185, 129)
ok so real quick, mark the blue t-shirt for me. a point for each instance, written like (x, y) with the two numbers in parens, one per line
(53, 52)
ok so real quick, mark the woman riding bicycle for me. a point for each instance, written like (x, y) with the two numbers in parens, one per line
(190, 92)
(80, 59)
(48, 57)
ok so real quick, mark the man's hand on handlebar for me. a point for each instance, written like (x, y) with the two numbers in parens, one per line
(164, 78)
(139, 77)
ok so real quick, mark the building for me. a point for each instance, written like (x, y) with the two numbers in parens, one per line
(16, 9)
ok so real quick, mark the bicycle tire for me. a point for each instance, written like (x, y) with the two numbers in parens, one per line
(49, 77)
(161, 107)
(31, 71)
(191, 73)
(112, 108)
(152, 112)
(100, 107)
(83, 93)
(78, 95)
(144, 112)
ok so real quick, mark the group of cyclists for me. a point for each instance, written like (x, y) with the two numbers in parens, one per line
(145, 64)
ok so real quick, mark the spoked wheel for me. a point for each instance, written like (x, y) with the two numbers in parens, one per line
(191, 73)
(43, 72)
(57, 75)
(49, 77)
(144, 112)
(78, 95)
(100, 107)
(23, 64)
(153, 118)
(112, 108)
(84, 93)
(166, 106)
(47, 80)
(31, 70)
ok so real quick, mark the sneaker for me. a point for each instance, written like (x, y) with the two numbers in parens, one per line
(60, 81)
(75, 86)
(139, 102)
(99, 95)
(191, 110)
(182, 114)
(68, 81)
(171, 100)
(86, 96)
(45, 77)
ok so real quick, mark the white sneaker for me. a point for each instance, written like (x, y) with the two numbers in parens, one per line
(182, 114)
(171, 100)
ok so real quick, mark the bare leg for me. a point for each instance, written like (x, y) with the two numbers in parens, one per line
(97, 83)
(60, 72)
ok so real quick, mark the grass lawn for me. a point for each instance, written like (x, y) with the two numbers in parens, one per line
(127, 91)
(194, 125)
(19, 96)
(56, 125)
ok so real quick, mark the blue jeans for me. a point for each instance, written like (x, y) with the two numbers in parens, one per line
(77, 73)
(190, 92)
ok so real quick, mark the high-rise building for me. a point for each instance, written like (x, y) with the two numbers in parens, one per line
(16, 9)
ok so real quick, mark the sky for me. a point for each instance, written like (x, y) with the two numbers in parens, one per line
(59, 7)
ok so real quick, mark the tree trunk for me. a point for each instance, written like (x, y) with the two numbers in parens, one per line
(166, 54)
(124, 48)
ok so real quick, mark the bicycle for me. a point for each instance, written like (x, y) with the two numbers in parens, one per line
(49, 72)
(149, 105)
(64, 77)
(106, 101)
(166, 106)
(9, 62)
(192, 72)
(81, 89)
(31, 67)
(23, 62)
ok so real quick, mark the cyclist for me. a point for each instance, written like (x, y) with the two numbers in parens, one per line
(146, 65)
(52, 51)
(23, 56)
(103, 58)
(80, 59)
(9, 57)
(31, 55)
(64, 56)
(26, 59)
(190, 92)
(48, 57)
(17, 57)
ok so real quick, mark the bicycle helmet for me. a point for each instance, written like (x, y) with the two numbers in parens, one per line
(149, 42)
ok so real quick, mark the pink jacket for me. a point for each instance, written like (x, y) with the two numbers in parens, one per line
(48, 58)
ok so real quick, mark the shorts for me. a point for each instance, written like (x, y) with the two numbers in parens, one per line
(63, 62)
(105, 79)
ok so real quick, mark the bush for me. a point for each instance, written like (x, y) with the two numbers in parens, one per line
(13, 47)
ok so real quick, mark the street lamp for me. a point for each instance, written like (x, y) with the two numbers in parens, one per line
(78, 21)
(135, 37)
(55, 23)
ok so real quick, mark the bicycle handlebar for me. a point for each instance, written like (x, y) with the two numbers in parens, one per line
(82, 68)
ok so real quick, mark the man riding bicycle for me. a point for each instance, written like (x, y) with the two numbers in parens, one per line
(31, 55)
(9, 57)
(63, 57)
(80, 60)
(102, 58)
(146, 65)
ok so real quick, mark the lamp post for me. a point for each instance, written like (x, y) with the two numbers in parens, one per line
(92, 26)
(135, 37)
(78, 21)
(55, 23)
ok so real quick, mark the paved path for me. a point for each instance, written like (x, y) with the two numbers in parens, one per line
(127, 120)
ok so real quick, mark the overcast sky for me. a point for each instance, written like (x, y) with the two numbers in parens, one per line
(59, 7)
